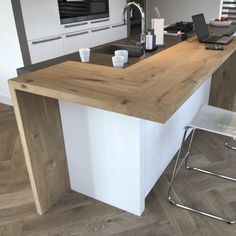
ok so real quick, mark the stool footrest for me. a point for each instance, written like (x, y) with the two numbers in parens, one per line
(201, 212)
(211, 173)
(228, 145)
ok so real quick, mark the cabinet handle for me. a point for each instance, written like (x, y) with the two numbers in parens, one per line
(96, 30)
(99, 21)
(77, 34)
(74, 25)
(115, 26)
(46, 40)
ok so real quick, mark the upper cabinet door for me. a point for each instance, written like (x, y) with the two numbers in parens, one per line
(41, 18)
(116, 9)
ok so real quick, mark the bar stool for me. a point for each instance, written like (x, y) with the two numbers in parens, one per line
(211, 119)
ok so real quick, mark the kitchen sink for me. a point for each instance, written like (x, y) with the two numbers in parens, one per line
(134, 51)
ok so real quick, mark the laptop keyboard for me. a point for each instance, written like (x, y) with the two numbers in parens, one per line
(219, 39)
(214, 38)
(225, 40)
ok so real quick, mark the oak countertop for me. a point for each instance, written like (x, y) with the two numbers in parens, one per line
(151, 89)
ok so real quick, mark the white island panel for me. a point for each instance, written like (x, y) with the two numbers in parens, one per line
(162, 141)
(103, 153)
(117, 159)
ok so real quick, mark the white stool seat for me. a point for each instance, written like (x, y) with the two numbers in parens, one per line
(215, 120)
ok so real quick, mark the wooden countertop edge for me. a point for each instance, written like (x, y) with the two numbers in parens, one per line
(75, 98)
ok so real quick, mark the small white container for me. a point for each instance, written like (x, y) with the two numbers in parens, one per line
(84, 54)
(149, 41)
(123, 53)
(118, 61)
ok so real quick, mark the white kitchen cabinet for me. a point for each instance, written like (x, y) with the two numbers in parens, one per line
(47, 38)
(76, 40)
(100, 36)
(74, 27)
(41, 18)
(118, 32)
(46, 48)
(116, 9)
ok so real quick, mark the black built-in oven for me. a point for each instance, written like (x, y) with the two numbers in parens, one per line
(99, 9)
(82, 10)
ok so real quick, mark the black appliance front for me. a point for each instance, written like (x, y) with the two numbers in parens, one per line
(98, 9)
(73, 11)
(77, 10)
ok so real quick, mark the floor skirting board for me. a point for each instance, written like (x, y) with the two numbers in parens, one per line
(5, 99)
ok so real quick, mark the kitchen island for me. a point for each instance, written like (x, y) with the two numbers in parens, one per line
(120, 127)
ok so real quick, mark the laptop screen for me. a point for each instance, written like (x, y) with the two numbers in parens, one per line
(200, 26)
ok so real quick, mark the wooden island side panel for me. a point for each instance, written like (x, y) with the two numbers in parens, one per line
(223, 86)
(41, 134)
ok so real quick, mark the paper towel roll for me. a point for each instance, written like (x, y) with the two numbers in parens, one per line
(158, 27)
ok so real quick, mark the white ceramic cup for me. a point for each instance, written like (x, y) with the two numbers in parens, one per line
(84, 54)
(118, 61)
(123, 53)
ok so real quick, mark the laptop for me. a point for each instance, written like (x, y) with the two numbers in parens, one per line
(203, 32)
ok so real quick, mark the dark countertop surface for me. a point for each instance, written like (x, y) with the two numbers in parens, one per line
(100, 58)
(229, 30)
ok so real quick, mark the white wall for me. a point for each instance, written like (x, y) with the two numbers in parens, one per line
(10, 53)
(182, 10)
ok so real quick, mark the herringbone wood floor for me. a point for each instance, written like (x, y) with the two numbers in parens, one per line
(80, 215)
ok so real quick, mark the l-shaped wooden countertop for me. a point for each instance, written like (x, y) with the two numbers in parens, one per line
(152, 89)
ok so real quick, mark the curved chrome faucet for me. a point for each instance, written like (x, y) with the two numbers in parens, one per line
(143, 36)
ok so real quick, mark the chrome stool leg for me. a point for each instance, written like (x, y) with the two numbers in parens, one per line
(189, 149)
(176, 170)
(228, 145)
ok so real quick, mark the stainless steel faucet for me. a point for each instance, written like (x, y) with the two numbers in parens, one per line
(142, 36)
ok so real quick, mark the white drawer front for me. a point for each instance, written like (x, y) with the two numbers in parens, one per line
(100, 36)
(74, 27)
(99, 23)
(74, 41)
(45, 49)
(118, 32)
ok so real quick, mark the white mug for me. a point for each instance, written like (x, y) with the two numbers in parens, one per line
(123, 53)
(118, 61)
(84, 54)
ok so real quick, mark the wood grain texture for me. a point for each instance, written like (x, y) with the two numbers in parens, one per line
(152, 89)
(41, 134)
(76, 214)
(223, 86)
